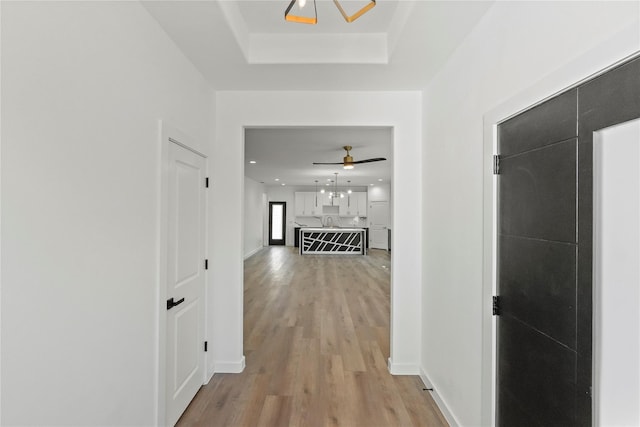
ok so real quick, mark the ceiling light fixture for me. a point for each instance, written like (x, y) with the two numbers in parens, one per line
(288, 16)
(335, 194)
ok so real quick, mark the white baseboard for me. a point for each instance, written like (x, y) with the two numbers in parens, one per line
(442, 405)
(209, 376)
(253, 252)
(402, 368)
(222, 367)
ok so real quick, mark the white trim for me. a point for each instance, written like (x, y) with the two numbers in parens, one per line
(253, 252)
(227, 367)
(237, 110)
(402, 368)
(440, 402)
(0, 222)
(186, 147)
(619, 48)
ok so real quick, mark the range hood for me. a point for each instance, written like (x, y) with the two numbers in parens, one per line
(330, 210)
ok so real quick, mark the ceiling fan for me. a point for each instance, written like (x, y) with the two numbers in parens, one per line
(348, 162)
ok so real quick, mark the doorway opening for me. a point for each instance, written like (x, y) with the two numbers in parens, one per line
(281, 159)
(277, 223)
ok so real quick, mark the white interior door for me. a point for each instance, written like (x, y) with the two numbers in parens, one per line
(185, 280)
(378, 225)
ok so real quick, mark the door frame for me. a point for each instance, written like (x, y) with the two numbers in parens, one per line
(171, 135)
(619, 49)
(284, 223)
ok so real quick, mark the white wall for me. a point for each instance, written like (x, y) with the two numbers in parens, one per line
(617, 275)
(254, 216)
(379, 193)
(512, 47)
(83, 87)
(400, 110)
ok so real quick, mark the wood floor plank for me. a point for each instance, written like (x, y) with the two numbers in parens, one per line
(316, 342)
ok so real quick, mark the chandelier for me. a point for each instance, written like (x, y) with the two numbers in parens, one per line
(288, 16)
(335, 194)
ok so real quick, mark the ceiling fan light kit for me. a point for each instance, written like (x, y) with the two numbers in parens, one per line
(347, 160)
(288, 16)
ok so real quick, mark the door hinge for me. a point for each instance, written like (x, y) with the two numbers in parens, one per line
(496, 306)
(205, 345)
(206, 182)
(206, 264)
(496, 164)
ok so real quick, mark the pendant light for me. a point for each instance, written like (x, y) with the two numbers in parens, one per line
(316, 192)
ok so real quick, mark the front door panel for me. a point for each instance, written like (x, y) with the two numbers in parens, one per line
(537, 283)
(545, 250)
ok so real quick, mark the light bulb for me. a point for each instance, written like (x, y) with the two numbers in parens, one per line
(302, 3)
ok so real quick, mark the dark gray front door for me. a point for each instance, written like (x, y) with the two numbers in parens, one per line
(545, 246)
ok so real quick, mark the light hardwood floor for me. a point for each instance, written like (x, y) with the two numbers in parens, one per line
(316, 341)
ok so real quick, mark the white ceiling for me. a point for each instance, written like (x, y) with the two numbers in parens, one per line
(247, 45)
(288, 154)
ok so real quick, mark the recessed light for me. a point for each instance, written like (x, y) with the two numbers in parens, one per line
(253, 162)
(371, 185)
(380, 179)
(277, 179)
(283, 184)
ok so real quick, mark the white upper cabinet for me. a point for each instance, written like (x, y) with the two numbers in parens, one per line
(362, 203)
(354, 204)
(308, 203)
(305, 203)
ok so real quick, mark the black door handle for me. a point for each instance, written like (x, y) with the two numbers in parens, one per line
(171, 303)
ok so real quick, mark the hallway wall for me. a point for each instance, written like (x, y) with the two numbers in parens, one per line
(83, 87)
(514, 45)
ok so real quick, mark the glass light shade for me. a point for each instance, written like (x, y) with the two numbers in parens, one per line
(298, 18)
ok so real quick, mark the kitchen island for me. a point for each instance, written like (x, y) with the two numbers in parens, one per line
(332, 240)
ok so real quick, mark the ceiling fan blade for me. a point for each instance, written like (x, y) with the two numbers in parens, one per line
(377, 159)
(339, 163)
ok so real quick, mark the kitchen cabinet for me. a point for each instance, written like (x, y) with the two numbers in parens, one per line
(305, 203)
(361, 197)
(296, 237)
(354, 204)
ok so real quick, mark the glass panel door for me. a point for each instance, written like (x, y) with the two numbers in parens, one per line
(277, 223)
